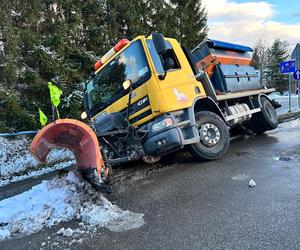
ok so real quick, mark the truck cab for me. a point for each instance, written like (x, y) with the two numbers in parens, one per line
(152, 94)
(149, 97)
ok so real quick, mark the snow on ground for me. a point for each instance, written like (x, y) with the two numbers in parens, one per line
(284, 101)
(16, 162)
(62, 199)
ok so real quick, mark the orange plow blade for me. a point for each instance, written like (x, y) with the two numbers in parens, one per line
(73, 135)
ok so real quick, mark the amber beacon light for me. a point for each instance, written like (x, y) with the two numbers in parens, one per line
(123, 42)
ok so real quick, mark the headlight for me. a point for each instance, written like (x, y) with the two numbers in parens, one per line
(98, 118)
(83, 115)
(162, 124)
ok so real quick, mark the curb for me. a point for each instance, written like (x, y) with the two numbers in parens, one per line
(288, 116)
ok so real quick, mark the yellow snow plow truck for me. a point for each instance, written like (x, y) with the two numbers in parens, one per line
(151, 96)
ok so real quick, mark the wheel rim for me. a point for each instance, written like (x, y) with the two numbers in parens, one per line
(209, 134)
(271, 113)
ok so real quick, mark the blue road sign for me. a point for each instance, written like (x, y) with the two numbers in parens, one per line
(296, 74)
(287, 67)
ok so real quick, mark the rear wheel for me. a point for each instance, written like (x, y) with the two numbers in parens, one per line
(214, 137)
(265, 120)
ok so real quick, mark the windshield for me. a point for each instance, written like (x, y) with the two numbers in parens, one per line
(106, 86)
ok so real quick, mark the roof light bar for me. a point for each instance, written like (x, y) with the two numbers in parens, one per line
(123, 42)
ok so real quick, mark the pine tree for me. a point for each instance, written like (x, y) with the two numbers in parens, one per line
(159, 16)
(10, 37)
(277, 53)
(59, 41)
(125, 18)
(189, 23)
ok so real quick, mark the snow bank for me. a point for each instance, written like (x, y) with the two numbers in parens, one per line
(284, 101)
(275, 95)
(111, 216)
(17, 163)
(62, 199)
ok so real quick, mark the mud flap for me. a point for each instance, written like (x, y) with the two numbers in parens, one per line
(75, 136)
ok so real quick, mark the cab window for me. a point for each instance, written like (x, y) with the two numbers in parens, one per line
(156, 60)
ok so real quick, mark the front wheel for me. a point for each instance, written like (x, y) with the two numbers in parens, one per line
(214, 137)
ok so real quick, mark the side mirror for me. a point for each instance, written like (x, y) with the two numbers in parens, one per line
(159, 43)
(126, 84)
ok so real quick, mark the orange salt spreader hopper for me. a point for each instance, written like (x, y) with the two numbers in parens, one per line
(73, 135)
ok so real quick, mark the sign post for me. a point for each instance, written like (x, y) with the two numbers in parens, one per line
(288, 67)
(290, 97)
(298, 84)
(296, 76)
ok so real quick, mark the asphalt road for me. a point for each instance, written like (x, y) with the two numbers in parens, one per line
(191, 205)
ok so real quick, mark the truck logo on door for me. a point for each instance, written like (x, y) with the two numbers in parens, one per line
(181, 97)
(141, 102)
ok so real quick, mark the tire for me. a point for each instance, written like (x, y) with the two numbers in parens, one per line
(212, 144)
(265, 120)
(150, 159)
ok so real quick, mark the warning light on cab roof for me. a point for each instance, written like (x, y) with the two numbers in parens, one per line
(123, 42)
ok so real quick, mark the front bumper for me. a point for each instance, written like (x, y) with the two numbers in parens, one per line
(165, 141)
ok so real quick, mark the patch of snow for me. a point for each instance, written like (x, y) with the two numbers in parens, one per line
(76, 95)
(54, 7)
(73, 177)
(73, 242)
(68, 232)
(278, 96)
(1, 44)
(43, 205)
(111, 216)
(37, 173)
(15, 14)
(91, 55)
(4, 233)
(275, 95)
(65, 232)
(16, 162)
(48, 51)
(60, 199)
(252, 183)
(284, 101)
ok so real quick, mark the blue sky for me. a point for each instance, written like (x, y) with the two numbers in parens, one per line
(248, 21)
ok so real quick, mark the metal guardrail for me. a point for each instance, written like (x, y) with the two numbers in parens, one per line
(19, 133)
